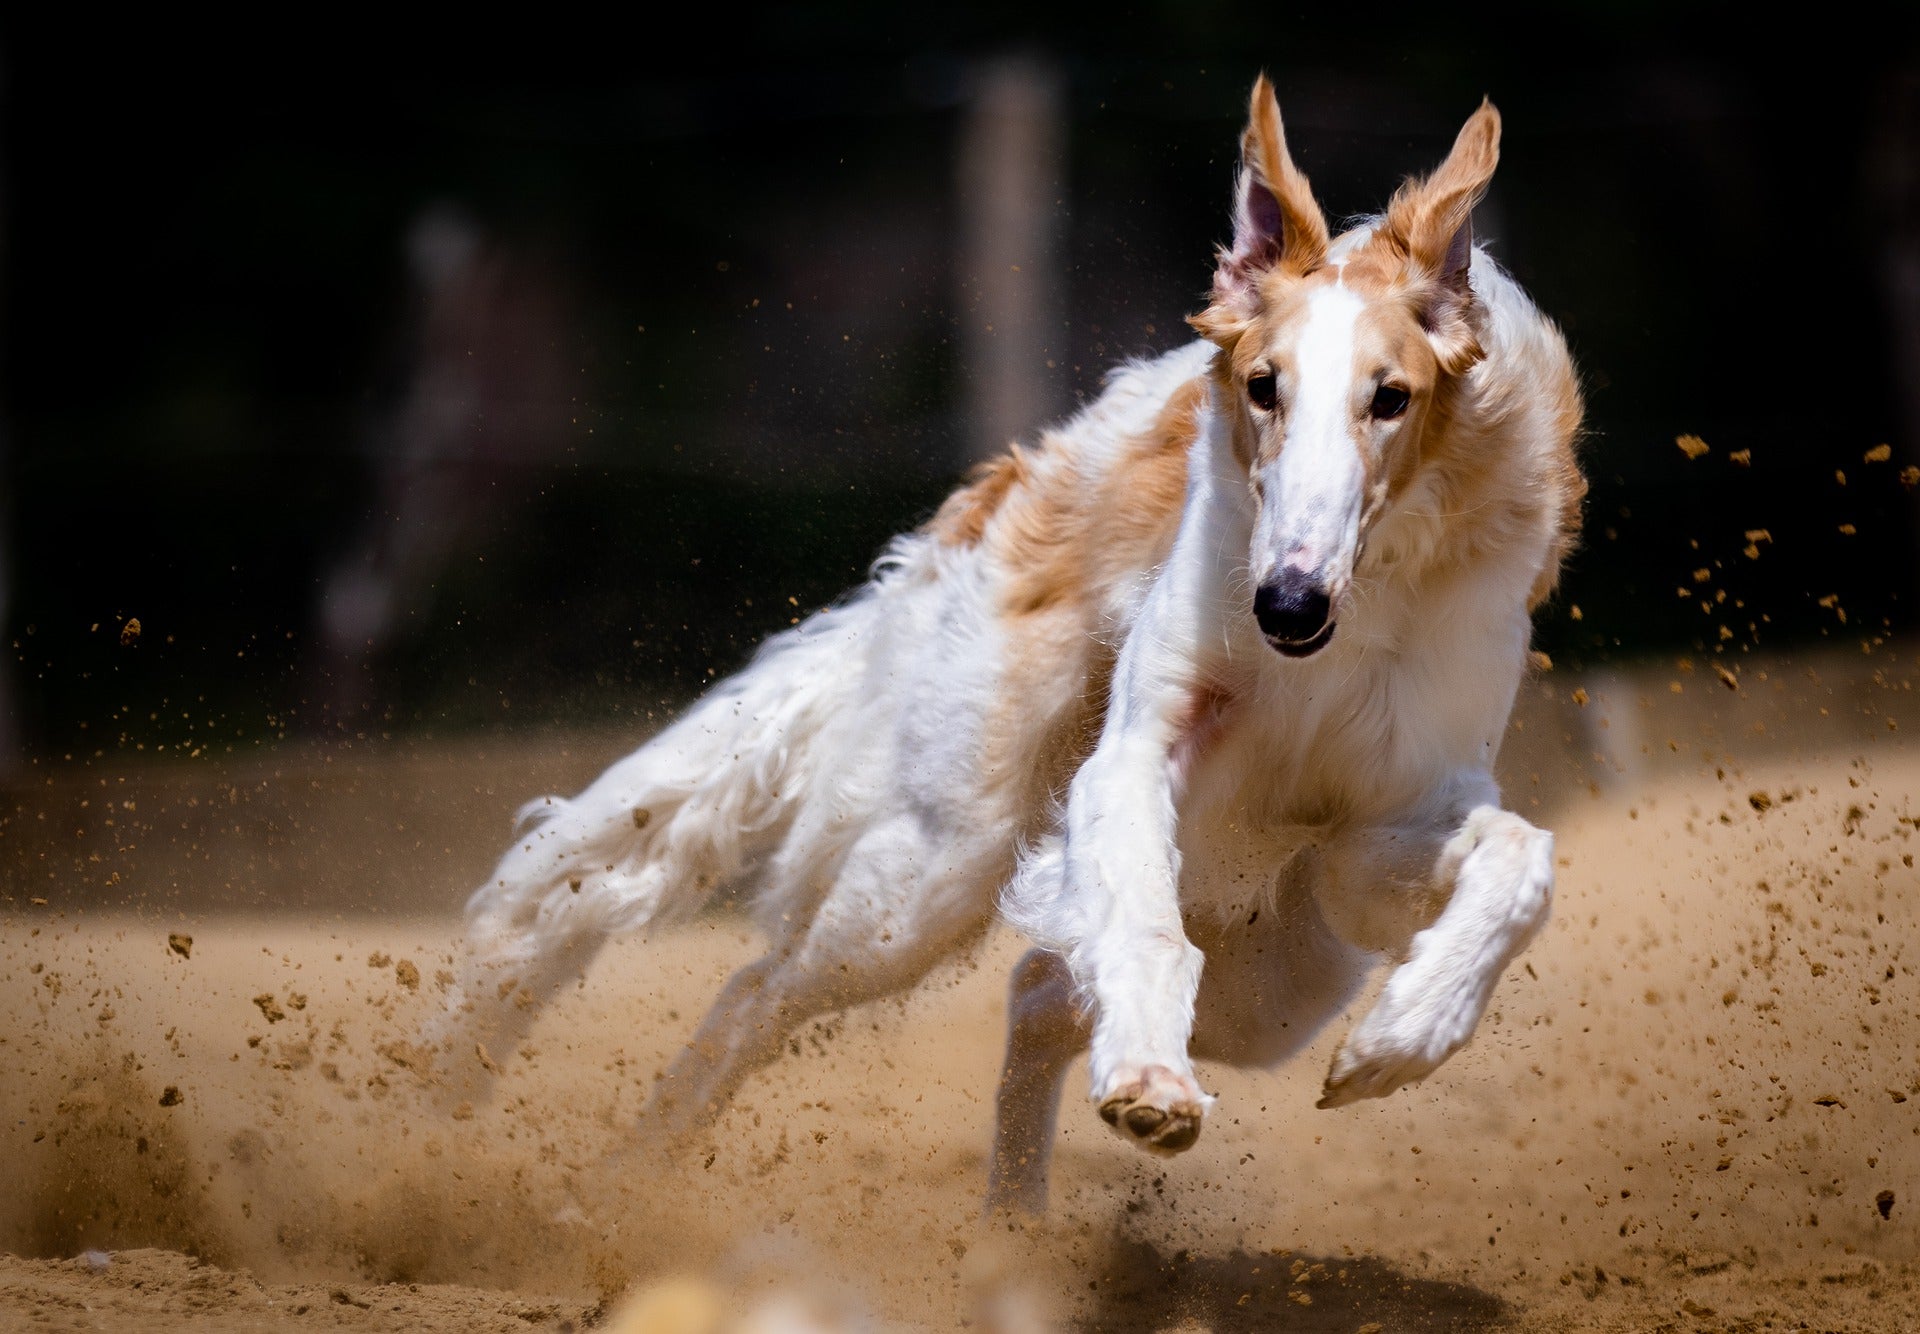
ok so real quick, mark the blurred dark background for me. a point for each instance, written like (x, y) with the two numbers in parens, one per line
(407, 378)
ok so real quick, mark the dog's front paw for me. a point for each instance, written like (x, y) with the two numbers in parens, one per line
(1156, 1108)
(1360, 1073)
(1391, 1049)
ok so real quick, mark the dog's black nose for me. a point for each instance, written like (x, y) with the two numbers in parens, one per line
(1293, 614)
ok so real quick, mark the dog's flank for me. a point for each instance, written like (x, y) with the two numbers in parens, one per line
(1205, 688)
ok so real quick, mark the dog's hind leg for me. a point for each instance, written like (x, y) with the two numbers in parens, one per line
(1046, 1029)
(502, 981)
(523, 947)
(904, 898)
(692, 809)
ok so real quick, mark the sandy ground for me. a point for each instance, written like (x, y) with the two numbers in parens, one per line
(1695, 1105)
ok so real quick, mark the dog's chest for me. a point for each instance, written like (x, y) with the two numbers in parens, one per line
(1364, 739)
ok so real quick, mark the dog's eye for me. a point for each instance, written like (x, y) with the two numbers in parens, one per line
(1263, 392)
(1389, 401)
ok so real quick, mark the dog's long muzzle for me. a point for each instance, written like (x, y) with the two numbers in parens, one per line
(1294, 614)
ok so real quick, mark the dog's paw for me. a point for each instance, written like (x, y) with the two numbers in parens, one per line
(1155, 1108)
(1389, 1050)
(1358, 1074)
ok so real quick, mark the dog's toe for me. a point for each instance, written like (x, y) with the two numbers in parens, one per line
(1338, 1093)
(1370, 1067)
(1158, 1110)
(1177, 1133)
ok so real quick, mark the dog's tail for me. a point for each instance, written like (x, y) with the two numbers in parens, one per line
(694, 807)
(651, 839)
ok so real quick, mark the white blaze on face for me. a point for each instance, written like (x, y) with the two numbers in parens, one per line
(1314, 491)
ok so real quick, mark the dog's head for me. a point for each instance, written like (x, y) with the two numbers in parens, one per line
(1338, 359)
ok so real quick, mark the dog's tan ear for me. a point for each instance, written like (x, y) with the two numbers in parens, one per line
(1431, 221)
(1276, 223)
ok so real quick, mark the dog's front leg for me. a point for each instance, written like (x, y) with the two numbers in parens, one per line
(1127, 946)
(1106, 898)
(1134, 958)
(1495, 872)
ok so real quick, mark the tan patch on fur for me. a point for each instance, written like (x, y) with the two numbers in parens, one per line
(1500, 453)
(1070, 538)
(963, 516)
(1567, 483)
(1263, 152)
(1298, 248)
(1426, 214)
(1061, 537)
(1230, 386)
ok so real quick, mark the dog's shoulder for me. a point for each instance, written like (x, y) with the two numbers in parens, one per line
(1096, 500)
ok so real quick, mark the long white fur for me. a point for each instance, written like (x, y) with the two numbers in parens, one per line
(1349, 808)
(1318, 471)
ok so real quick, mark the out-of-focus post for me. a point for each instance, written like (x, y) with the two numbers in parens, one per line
(1011, 191)
(482, 406)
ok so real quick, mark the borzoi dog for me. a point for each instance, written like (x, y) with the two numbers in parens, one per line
(1204, 691)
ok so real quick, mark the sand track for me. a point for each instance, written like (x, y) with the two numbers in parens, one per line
(1695, 1106)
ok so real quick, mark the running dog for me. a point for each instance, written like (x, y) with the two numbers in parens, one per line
(1203, 692)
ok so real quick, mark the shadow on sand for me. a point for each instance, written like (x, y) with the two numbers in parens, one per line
(1142, 1288)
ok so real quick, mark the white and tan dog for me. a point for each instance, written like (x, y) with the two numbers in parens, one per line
(1258, 614)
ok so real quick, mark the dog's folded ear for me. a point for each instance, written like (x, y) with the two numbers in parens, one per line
(1431, 221)
(1276, 222)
